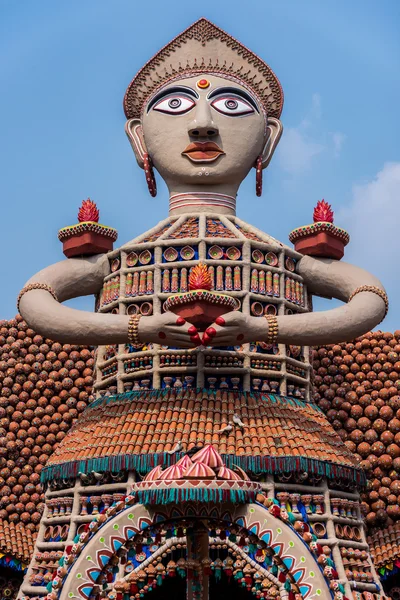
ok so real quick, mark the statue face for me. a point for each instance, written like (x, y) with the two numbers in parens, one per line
(204, 130)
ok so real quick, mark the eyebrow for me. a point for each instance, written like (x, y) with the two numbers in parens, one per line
(182, 89)
(237, 92)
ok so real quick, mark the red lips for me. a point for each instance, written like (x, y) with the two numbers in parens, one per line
(203, 151)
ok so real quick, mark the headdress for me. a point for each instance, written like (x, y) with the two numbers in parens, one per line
(205, 48)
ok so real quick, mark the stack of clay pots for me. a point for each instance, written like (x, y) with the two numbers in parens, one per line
(357, 385)
(44, 386)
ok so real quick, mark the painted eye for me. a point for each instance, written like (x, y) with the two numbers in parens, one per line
(232, 106)
(174, 105)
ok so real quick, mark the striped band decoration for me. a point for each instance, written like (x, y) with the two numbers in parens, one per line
(201, 198)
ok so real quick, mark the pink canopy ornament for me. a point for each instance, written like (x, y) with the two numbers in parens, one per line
(204, 477)
(322, 238)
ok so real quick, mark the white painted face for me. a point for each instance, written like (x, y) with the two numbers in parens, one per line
(203, 129)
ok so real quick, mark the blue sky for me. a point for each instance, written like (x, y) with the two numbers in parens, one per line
(64, 68)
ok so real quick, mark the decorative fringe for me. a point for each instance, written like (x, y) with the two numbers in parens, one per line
(150, 396)
(259, 465)
(175, 495)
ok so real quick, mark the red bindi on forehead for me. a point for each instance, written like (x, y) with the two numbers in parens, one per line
(203, 84)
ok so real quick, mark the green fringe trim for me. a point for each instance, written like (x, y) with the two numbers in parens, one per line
(151, 395)
(173, 496)
(259, 465)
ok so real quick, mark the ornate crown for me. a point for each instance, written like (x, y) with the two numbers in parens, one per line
(205, 48)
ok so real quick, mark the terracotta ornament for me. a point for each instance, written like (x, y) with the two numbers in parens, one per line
(322, 238)
(259, 176)
(88, 237)
(149, 173)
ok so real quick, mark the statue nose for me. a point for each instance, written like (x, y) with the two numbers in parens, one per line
(203, 124)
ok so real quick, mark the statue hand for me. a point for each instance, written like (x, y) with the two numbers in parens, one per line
(235, 328)
(168, 329)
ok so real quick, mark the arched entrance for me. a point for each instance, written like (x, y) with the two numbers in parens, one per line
(269, 553)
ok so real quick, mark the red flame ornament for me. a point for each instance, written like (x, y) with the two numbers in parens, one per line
(323, 212)
(200, 278)
(88, 212)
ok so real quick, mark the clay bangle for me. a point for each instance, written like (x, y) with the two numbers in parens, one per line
(133, 329)
(36, 286)
(374, 290)
(273, 329)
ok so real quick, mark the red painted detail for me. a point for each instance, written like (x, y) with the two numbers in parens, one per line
(323, 212)
(320, 244)
(88, 212)
(200, 278)
(86, 244)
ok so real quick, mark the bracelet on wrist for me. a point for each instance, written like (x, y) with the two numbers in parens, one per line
(273, 329)
(133, 330)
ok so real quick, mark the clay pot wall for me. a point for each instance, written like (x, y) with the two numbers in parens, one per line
(44, 386)
(357, 384)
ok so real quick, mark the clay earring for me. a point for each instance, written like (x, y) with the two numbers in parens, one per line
(259, 176)
(149, 173)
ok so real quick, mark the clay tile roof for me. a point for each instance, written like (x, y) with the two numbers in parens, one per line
(279, 434)
(188, 229)
(215, 228)
(16, 540)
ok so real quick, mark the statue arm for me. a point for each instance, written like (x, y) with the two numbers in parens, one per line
(334, 279)
(323, 277)
(70, 279)
(77, 277)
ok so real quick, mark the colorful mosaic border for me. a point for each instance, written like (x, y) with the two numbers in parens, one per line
(320, 226)
(110, 537)
(67, 232)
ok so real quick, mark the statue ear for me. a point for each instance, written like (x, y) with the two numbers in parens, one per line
(274, 132)
(133, 129)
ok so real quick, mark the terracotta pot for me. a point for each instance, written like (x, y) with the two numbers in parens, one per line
(202, 312)
(356, 534)
(321, 244)
(319, 529)
(347, 532)
(87, 243)
(339, 531)
(64, 532)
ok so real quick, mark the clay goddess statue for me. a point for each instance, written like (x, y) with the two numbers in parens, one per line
(204, 112)
(203, 326)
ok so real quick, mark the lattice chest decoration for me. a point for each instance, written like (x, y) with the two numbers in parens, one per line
(257, 273)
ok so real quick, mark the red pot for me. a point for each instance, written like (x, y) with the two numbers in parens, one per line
(87, 243)
(321, 244)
